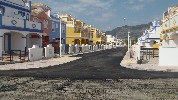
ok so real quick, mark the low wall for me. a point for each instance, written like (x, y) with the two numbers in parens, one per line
(71, 49)
(168, 56)
(83, 48)
(135, 52)
(63, 49)
(35, 53)
(49, 51)
(76, 48)
(0, 53)
(86, 48)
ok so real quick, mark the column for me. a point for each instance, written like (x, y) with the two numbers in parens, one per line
(1, 42)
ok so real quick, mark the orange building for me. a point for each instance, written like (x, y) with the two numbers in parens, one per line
(41, 13)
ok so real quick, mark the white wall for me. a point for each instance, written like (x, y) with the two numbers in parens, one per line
(171, 43)
(110, 38)
(62, 49)
(71, 49)
(35, 53)
(30, 23)
(1, 41)
(77, 48)
(168, 56)
(6, 43)
(136, 51)
(8, 22)
(10, 12)
(33, 41)
(155, 34)
(49, 51)
(19, 2)
(86, 48)
(17, 42)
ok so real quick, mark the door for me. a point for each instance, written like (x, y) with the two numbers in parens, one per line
(7, 42)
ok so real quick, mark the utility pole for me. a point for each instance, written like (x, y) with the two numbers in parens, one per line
(60, 37)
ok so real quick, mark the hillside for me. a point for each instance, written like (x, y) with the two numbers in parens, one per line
(136, 31)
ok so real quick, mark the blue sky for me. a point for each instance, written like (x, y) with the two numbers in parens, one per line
(109, 14)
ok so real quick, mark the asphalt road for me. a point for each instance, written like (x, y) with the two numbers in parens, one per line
(98, 65)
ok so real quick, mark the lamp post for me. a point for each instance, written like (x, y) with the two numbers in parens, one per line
(60, 37)
(128, 36)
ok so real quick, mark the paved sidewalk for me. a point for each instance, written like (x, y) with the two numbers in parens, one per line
(39, 64)
(149, 65)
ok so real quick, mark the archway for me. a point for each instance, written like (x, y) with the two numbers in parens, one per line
(14, 41)
(76, 41)
(33, 39)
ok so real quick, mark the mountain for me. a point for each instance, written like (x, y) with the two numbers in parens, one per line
(135, 31)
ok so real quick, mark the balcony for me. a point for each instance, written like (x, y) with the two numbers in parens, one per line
(11, 23)
(171, 24)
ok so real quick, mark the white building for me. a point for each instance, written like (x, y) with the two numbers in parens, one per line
(168, 52)
(16, 29)
(111, 39)
(148, 41)
(142, 40)
(151, 37)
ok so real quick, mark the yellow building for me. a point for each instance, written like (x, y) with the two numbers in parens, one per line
(76, 31)
(96, 36)
(103, 38)
(87, 34)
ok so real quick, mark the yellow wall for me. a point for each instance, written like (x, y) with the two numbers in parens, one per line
(70, 32)
(71, 36)
(96, 39)
(103, 39)
(70, 41)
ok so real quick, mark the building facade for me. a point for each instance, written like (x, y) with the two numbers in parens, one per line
(96, 36)
(110, 39)
(55, 30)
(73, 29)
(87, 35)
(41, 13)
(169, 29)
(16, 29)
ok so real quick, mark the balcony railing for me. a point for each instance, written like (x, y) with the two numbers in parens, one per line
(170, 24)
(11, 23)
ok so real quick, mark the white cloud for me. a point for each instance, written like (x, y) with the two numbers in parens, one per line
(98, 10)
(136, 5)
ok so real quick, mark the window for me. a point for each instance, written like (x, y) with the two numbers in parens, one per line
(45, 24)
(56, 25)
(63, 28)
(53, 27)
(21, 13)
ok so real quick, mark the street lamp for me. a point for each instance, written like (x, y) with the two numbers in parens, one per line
(128, 36)
(60, 37)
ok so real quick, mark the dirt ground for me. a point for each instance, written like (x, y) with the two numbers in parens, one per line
(63, 89)
(97, 76)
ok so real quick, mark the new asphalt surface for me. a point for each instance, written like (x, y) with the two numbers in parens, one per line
(97, 65)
